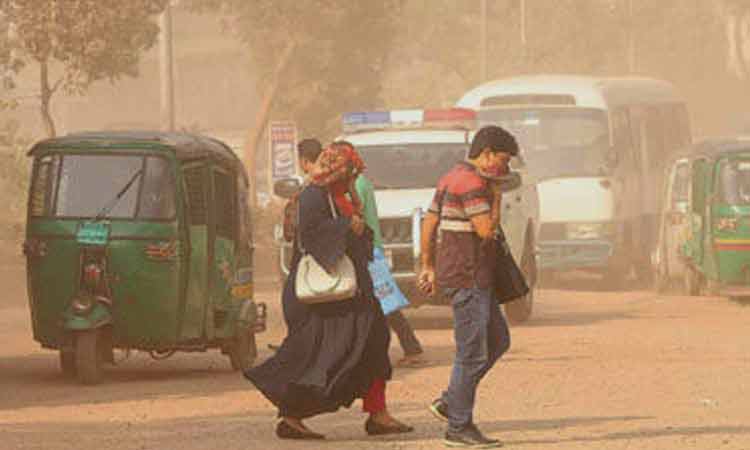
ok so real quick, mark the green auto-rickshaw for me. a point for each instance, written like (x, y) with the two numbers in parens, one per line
(715, 249)
(139, 241)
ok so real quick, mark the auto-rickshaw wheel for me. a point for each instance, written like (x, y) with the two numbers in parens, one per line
(88, 357)
(243, 351)
(68, 363)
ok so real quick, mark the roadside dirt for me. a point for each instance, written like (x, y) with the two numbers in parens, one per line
(592, 370)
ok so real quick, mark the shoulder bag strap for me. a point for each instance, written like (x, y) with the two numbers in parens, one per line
(299, 232)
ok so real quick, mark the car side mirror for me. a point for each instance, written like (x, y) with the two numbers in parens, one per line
(287, 187)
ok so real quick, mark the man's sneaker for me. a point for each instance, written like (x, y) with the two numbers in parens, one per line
(469, 437)
(439, 409)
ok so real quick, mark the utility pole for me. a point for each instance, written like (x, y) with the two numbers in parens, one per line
(483, 43)
(524, 43)
(631, 38)
(166, 70)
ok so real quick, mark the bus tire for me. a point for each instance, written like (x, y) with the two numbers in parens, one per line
(244, 350)
(88, 357)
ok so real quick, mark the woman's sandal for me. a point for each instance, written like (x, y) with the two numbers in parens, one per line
(412, 362)
(374, 428)
(286, 431)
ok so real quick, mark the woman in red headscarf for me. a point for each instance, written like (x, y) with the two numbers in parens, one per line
(333, 352)
(337, 169)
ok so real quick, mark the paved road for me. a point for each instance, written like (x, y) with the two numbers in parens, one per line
(592, 370)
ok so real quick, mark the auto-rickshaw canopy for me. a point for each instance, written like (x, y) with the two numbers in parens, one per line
(184, 146)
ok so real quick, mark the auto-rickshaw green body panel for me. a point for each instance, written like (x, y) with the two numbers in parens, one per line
(164, 277)
(717, 250)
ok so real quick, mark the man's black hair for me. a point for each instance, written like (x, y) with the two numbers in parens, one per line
(343, 142)
(496, 139)
(309, 149)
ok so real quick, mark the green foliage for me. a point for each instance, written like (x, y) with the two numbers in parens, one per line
(92, 39)
(81, 41)
(14, 170)
(339, 55)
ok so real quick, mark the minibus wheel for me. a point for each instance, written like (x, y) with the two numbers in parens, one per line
(243, 351)
(88, 357)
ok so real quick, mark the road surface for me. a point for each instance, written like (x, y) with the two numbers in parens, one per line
(591, 370)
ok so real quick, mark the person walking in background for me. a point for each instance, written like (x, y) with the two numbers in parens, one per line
(308, 151)
(466, 210)
(396, 321)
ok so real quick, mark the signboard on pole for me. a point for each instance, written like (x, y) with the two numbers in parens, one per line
(282, 157)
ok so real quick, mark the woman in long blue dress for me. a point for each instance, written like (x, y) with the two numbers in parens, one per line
(336, 352)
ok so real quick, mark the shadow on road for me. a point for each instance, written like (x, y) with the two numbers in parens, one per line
(36, 380)
(576, 318)
(431, 429)
(643, 433)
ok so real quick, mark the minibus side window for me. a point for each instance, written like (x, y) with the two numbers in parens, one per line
(680, 186)
(654, 151)
(676, 126)
(43, 185)
(224, 199)
(195, 184)
(158, 192)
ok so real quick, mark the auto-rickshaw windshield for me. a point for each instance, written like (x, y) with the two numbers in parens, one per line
(89, 184)
(735, 181)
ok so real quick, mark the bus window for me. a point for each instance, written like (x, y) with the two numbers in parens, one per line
(637, 125)
(683, 124)
(654, 151)
(676, 128)
(621, 134)
(680, 187)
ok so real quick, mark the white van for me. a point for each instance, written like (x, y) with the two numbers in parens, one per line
(597, 148)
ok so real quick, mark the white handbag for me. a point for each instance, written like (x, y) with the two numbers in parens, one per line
(314, 284)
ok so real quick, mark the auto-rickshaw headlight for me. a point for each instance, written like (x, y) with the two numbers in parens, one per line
(82, 304)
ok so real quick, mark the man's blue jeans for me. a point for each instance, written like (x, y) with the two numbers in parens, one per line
(482, 336)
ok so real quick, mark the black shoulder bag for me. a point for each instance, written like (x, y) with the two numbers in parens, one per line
(509, 282)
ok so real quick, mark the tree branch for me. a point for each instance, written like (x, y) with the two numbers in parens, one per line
(57, 85)
(261, 117)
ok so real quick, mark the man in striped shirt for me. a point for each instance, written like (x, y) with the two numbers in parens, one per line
(466, 211)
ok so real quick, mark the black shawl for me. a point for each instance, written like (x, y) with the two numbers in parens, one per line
(333, 351)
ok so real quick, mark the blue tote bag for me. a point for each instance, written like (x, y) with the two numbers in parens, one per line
(386, 290)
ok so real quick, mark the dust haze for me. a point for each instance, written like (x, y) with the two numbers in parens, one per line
(238, 65)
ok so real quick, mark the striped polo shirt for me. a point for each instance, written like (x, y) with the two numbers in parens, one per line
(462, 259)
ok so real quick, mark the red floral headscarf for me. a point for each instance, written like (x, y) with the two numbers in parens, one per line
(337, 168)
